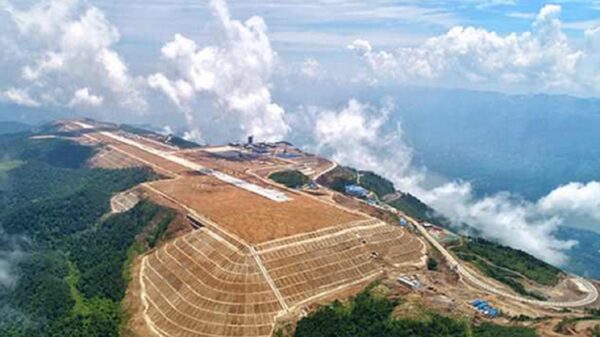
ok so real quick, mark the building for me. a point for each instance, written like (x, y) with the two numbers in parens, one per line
(485, 308)
(356, 191)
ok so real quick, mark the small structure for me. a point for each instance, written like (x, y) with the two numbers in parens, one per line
(356, 191)
(411, 281)
(312, 185)
(485, 308)
(402, 222)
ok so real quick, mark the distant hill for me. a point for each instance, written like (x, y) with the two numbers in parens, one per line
(13, 127)
(527, 144)
(523, 144)
(31, 116)
(585, 256)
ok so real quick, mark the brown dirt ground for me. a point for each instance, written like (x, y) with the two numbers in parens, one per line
(142, 155)
(250, 216)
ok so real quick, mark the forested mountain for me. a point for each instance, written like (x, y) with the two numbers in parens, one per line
(64, 261)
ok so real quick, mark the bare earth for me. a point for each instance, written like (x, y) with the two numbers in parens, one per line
(251, 217)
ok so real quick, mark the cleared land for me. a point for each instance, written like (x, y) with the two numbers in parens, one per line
(157, 162)
(310, 265)
(111, 159)
(249, 216)
(206, 283)
(203, 285)
(256, 259)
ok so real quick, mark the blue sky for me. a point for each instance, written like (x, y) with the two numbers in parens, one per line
(300, 29)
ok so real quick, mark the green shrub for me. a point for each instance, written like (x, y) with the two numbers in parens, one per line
(290, 178)
(432, 263)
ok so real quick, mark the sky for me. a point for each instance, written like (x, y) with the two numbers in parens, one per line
(211, 69)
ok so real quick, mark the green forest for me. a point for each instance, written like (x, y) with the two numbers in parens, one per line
(376, 183)
(340, 177)
(370, 315)
(68, 259)
(508, 258)
(415, 208)
(290, 178)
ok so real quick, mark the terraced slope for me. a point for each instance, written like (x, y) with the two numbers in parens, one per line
(207, 283)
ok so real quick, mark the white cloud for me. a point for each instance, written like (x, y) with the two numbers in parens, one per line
(311, 68)
(483, 4)
(10, 255)
(522, 15)
(541, 60)
(69, 46)
(177, 91)
(354, 136)
(575, 198)
(360, 136)
(501, 217)
(193, 136)
(235, 73)
(20, 97)
(82, 97)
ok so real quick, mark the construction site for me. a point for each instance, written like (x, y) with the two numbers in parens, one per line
(254, 253)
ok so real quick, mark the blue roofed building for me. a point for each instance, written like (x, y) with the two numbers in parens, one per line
(356, 191)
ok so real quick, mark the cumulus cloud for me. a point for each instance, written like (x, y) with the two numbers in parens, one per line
(542, 59)
(574, 198)
(360, 136)
(353, 136)
(82, 97)
(20, 97)
(311, 68)
(235, 73)
(67, 46)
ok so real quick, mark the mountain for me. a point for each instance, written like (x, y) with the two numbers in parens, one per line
(585, 256)
(13, 127)
(523, 144)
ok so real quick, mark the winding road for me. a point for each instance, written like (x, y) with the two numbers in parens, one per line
(473, 278)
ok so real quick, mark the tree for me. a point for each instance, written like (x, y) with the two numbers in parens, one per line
(432, 263)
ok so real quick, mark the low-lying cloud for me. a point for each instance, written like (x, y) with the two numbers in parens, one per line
(359, 135)
(11, 253)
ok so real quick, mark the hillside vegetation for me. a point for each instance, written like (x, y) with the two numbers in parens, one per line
(340, 177)
(290, 178)
(416, 209)
(507, 265)
(70, 260)
(369, 315)
(376, 183)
